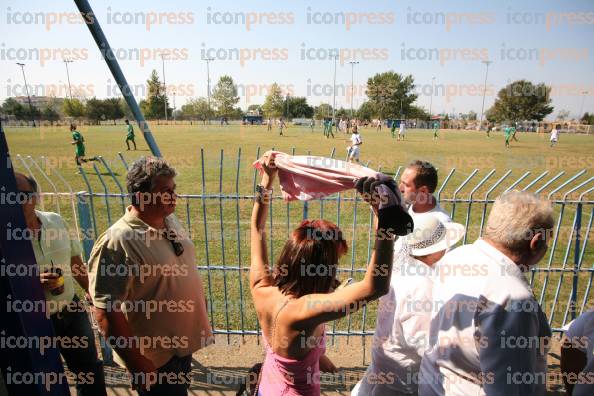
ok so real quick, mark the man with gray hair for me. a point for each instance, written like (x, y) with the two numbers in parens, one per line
(148, 295)
(489, 335)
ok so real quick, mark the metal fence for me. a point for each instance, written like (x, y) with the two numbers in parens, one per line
(217, 218)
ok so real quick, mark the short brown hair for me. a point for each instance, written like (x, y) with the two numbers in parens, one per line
(425, 175)
(308, 261)
(142, 174)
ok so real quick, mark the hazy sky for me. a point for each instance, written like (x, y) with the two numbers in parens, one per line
(292, 42)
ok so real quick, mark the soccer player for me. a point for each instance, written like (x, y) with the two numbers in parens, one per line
(269, 125)
(379, 125)
(281, 126)
(393, 129)
(354, 149)
(79, 150)
(401, 131)
(312, 124)
(507, 132)
(130, 136)
(435, 130)
(555, 135)
(513, 132)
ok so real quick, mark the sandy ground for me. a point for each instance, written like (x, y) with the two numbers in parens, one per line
(219, 368)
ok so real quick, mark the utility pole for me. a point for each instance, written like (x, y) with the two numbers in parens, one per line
(208, 60)
(164, 87)
(487, 63)
(22, 65)
(582, 106)
(66, 62)
(334, 94)
(352, 82)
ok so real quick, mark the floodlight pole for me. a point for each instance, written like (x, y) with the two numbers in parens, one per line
(164, 87)
(487, 63)
(208, 60)
(22, 65)
(93, 24)
(66, 62)
(334, 96)
(582, 106)
(353, 63)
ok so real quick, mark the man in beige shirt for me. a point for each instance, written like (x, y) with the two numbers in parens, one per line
(148, 295)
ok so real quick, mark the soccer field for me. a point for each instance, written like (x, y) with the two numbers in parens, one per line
(224, 240)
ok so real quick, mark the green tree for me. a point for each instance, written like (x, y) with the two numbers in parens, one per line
(14, 108)
(391, 94)
(153, 106)
(255, 108)
(365, 111)
(418, 113)
(95, 110)
(50, 114)
(196, 108)
(322, 111)
(298, 107)
(520, 101)
(126, 109)
(587, 119)
(274, 104)
(113, 109)
(224, 96)
(73, 108)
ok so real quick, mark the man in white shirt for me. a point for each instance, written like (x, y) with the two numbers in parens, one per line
(401, 130)
(490, 335)
(404, 314)
(417, 185)
(555, 135)
(356, 141)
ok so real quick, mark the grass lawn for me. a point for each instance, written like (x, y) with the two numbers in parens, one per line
(217, 160)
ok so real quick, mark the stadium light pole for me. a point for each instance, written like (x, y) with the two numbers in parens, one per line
(174, 104)
(22, 65)
(208, 60)
(164, 87)
(353, 63)
(582, 106)
(487, 63)
(66, 62)
(334, 95)
(431, 100)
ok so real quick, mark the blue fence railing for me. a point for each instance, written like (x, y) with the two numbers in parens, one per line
(217, 218)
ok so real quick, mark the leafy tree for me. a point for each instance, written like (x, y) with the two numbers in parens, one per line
(472, 116)
(365, 111)
(14, 108)
(419, 113)
(389, 92)
(298, 108)
(255, 108)
(587, 119)
(196, 108)
(521, 100)
(95, 110)
(50, 114)
(126, 109)
(225, 96)
(153, 106)
(342, 113)
(113, 109)
(274, 104)
(73, 108)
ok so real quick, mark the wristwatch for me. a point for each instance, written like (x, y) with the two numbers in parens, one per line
(263, 195)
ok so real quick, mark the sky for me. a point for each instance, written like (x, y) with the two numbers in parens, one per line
(442, 44)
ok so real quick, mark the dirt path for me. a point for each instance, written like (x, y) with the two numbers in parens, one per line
(219, 368)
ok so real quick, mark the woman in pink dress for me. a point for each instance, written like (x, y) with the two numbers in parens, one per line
(299, 295)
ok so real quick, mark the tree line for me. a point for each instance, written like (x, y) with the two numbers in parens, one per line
(390, 95)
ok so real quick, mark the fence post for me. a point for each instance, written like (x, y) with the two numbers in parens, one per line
(576, 259)
(86, 226)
